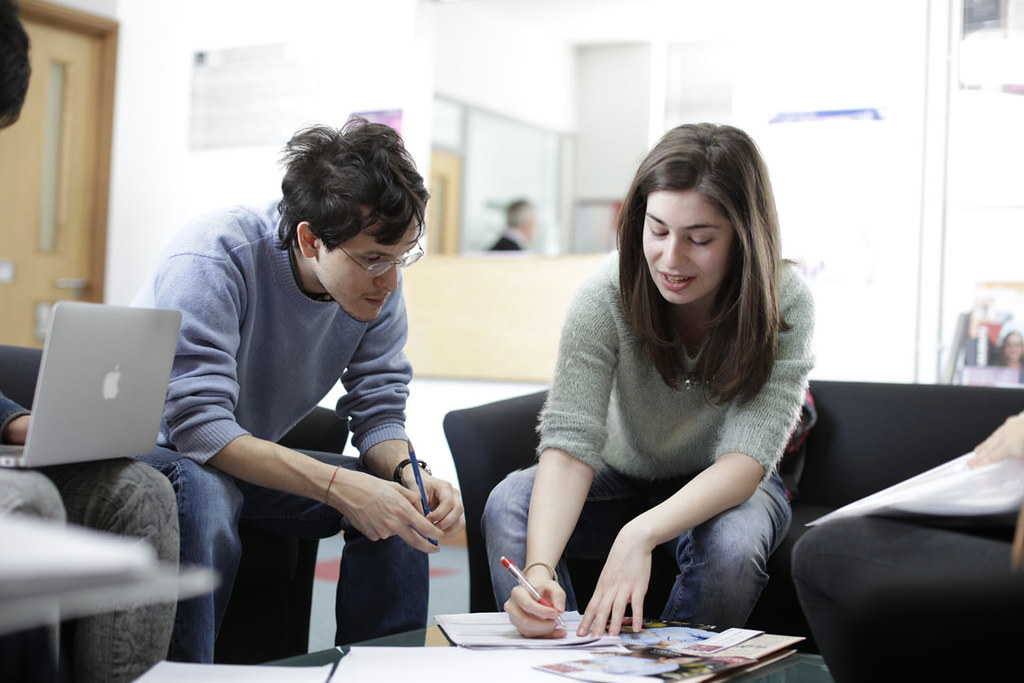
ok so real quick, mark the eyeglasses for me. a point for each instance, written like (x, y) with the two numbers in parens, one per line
(377, 269)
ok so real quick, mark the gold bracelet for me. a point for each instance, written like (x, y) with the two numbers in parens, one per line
(554, 576)
(327, 493)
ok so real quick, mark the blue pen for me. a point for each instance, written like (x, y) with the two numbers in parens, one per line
(419, 482)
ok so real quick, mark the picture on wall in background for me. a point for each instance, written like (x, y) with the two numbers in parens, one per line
(989, 343)
(250, 95)
(389, 117)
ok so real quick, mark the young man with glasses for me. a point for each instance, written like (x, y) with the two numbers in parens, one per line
(279, 303)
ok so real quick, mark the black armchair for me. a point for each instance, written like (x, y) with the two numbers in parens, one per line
(868, 436)
(487, 442)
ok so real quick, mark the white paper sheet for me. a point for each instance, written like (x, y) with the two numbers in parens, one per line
(176, 672)
(494, 630)
(951, 490)
(449, 664)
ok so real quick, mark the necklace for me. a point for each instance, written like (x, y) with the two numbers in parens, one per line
(690, 380)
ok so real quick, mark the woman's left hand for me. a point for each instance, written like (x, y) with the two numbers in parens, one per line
(623, 582)
(731, 480)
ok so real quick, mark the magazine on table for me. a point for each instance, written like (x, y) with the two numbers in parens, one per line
(673, 651)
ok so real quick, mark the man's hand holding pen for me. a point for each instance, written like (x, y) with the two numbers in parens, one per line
(393, 504)
(444, 501)
(381, 509)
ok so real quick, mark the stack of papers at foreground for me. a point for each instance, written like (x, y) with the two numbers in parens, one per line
(51, 571)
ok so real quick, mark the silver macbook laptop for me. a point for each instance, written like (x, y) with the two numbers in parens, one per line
(101, 387)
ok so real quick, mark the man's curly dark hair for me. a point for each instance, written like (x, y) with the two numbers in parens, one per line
(344, 181)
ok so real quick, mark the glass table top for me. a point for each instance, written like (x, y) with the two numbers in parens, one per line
(800, 667)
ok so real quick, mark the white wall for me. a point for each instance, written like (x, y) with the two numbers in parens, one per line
(103, 8)
(158, 182)
(614, 92)
(848, 191)
(501, 65)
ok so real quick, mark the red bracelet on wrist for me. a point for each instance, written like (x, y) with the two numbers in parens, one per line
(327, 493)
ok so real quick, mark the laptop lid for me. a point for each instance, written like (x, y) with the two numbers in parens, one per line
(102, 383)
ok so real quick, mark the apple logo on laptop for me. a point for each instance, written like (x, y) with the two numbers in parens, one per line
(110, 381)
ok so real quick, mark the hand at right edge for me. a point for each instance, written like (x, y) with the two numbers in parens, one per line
(1005, 442)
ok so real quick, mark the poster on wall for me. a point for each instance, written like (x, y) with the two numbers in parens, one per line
(389, 117)
(250, 95)
(989, 341)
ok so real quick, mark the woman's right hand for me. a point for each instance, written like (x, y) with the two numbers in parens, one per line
(559, 490)
(533, 619)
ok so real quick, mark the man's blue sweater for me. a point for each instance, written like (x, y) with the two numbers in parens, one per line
(255, 353)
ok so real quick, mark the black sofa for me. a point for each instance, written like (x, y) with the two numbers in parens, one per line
(268, 615)
(868, 436)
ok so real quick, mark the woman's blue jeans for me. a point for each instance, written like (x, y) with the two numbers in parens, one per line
(721, 563)
(382, 585)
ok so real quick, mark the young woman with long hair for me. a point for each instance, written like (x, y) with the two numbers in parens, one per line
(681, 373)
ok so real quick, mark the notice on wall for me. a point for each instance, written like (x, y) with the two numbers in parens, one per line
(247, 96)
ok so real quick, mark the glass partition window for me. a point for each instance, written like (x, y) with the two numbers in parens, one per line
(983, 312)
(503, 160)
(892, 132)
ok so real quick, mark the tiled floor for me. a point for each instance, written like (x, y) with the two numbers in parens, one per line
(449, 587)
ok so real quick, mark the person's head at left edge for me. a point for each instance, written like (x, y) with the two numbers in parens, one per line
(15, 69)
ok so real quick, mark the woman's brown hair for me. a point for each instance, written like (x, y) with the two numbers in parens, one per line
(724, 165)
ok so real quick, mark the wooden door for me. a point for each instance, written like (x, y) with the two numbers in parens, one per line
(54, 171)
(445, 207)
